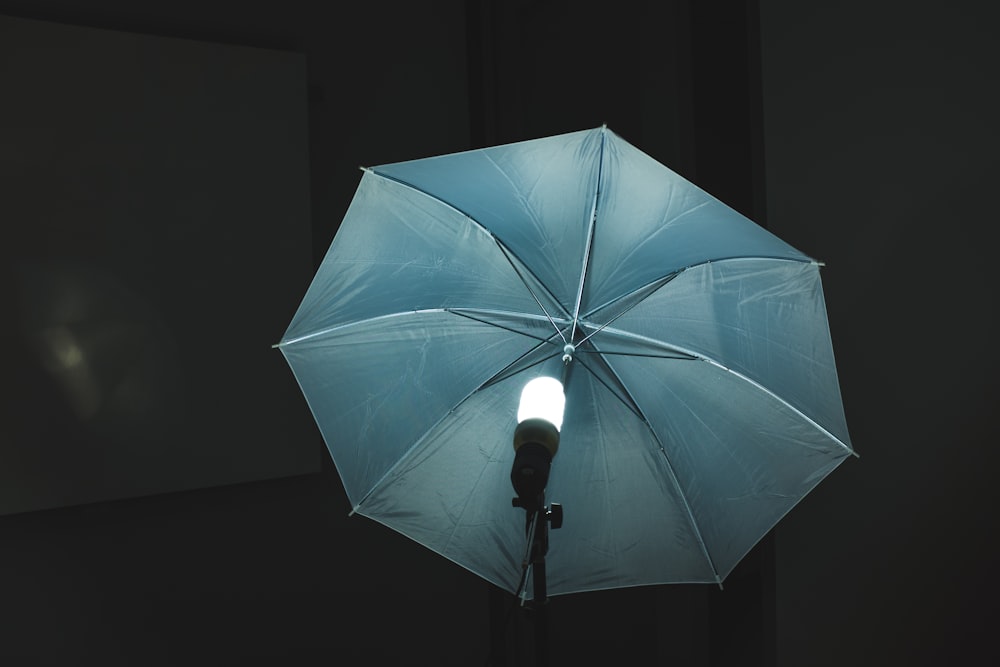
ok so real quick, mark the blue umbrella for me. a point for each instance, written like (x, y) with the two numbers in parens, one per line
(701, 393)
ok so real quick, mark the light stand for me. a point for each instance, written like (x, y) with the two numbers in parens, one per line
(536, 441)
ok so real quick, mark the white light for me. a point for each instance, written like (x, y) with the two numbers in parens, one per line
(542, 398)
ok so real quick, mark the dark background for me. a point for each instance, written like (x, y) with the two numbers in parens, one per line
(862, 133)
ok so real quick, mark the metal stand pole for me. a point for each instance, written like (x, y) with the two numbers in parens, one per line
(540, 599)
(537, 520)
(529, 474)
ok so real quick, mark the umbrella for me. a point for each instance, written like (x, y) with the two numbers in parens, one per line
(701, 394)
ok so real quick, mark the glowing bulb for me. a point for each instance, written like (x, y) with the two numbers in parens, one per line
(542, 398)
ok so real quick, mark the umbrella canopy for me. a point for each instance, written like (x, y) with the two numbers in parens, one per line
(701, 397)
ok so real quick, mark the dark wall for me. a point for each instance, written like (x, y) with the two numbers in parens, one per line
(156, 206)
(881, 161)
(274, 571)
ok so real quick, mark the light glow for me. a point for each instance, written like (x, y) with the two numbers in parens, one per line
(542, 398)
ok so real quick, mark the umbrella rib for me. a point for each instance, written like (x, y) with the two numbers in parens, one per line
(504, 374)
(673, 477)
(468, 313)
(648, 355)
(663, 281)
(464, 312)
(812, 422)
(590, 232)
(507, 251)
(367, 320)
(745, 378)
(630, 404)
(674, 274)
(524, 282)
(651, 342)
(611, 524)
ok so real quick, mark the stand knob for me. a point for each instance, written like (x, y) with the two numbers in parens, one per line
(555, 515)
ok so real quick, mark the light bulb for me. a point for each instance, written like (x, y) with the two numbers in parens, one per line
(542, 398)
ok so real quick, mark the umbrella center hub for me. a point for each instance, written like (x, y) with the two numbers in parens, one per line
(568, 352)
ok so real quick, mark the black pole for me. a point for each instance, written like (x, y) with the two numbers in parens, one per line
(540, 598)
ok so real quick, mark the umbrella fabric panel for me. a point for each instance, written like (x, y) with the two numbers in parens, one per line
(536, 196)
(743, 458)
(623, 512)
(452, 493)
(399, 250)
(376, 388)
(626, 522)
(765, 319)
(651, 222)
